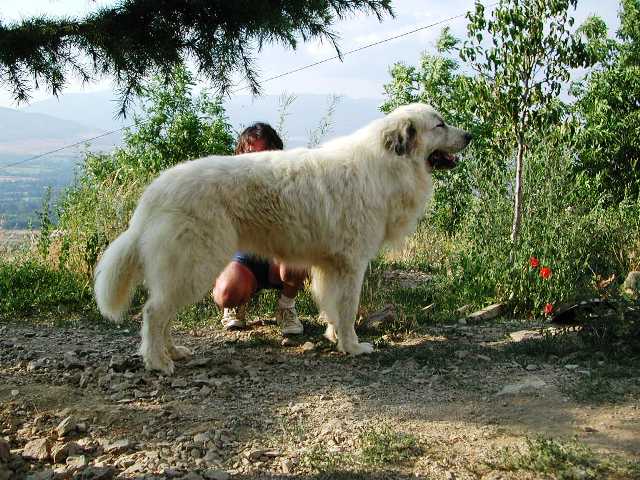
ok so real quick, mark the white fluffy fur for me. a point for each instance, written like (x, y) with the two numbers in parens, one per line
(330, 208)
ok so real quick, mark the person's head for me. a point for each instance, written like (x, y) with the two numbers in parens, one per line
(257, 138)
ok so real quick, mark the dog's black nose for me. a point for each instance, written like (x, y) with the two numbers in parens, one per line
(468, 137)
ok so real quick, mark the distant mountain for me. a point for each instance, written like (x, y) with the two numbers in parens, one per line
(31, 132)
(98, 109)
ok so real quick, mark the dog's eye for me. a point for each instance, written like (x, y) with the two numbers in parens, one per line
(441, 125)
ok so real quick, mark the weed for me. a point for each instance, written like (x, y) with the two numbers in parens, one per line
(383, 446)
(563, 461)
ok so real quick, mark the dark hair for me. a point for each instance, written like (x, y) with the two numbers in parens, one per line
(258, 131)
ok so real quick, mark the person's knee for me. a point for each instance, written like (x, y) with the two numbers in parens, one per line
(229, 295)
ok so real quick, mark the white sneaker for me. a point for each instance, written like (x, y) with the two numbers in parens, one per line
(234, 318)
(287, 318)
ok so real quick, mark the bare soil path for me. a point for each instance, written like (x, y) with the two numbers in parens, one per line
(75, 402)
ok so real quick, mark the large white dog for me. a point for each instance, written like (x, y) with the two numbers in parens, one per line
(329, 208)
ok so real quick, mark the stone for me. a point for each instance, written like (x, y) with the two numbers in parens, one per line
(66, 426)
(99, 473)
(70, 360)
(571, 366)
(60, 452)
(201, 438)
(34, 365)
(191, 476)
(487, 313)
(5, 473)
(119, 446)
(308, 347)
(386, 316)
(531, 367)
(15, 393)
(630, 284)
(532, 383)
(77, 461)
(179, 383)
(289, 342)
(47, 474)
(119, 363)
(212, 474)
(38, 449)
(486, 358)
(5, 450)
(523, 335)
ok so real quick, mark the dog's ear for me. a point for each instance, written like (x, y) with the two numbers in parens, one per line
(401, 139)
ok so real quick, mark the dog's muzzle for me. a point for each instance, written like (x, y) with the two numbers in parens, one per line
(440, 160)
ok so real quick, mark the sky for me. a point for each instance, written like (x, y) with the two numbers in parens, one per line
(360, 75)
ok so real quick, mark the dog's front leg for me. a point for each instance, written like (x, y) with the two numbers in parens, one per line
(337, 293)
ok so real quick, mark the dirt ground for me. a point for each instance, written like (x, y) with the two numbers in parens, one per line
(453, 402)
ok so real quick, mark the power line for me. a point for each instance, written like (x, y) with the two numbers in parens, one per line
(275, 77)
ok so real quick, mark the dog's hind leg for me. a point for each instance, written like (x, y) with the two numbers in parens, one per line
(181, 270)
(338, 294)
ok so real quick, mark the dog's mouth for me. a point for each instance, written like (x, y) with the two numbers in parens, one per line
(440, 160)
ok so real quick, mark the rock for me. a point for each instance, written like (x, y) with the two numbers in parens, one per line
(521, 335)
(179, 383)
(77, 462)
(483, 357)
(38, 449)
(60, 452)
(199, 362)
(308, 347)
(212, 474)
(571, 366)
(5, 450)
(15, 393)
(66, 426)
(201, 438)
(34, 365)
(119, 363)
(47, 474)
(487, 313)
(532, 383)
(119, 446)
(98, 473)
(191, 476)
(386, 316)
(5, 473)
(531, 367)
(630, 284)
(289, 342)
(70, 360)
(462, 321)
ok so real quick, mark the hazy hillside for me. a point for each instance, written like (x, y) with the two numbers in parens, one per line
(99, 110)
(31, 133)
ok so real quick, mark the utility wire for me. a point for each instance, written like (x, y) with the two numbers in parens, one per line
(275, 77)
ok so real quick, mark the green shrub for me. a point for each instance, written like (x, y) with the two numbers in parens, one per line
(30, 286)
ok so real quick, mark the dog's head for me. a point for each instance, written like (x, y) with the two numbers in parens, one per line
(418, 132)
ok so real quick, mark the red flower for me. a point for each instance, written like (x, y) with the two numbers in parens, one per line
(534, 262)
(548, 309)
(545, 272)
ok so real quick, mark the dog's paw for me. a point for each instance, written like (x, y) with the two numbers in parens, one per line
(160, 363)
(330, 334)
(178, 352)
(358, 348)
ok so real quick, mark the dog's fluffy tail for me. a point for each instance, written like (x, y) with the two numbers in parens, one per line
(117, 275)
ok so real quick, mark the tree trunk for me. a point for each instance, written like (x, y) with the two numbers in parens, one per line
(517, 211)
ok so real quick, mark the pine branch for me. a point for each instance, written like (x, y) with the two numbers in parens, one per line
(138, 38)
